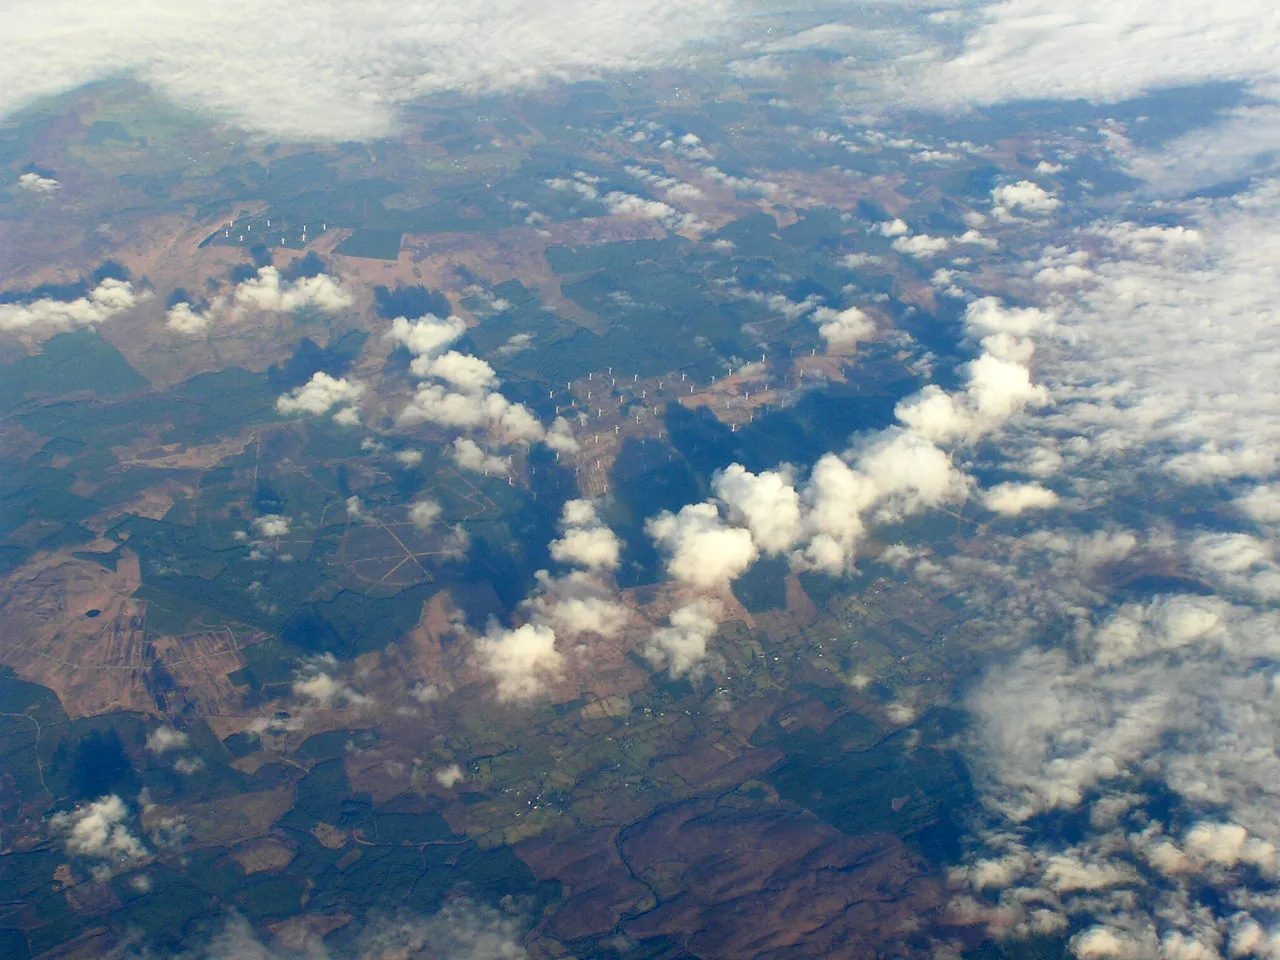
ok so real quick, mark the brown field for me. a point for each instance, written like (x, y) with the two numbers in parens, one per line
(95, 664)
(227, 820)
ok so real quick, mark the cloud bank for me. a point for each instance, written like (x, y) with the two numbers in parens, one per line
(47, 316)
(340, 70)
(264, 293)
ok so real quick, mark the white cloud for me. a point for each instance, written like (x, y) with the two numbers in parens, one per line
(595, 549)
(1167, 354)
(750, 186)
(98, 829)
(340, 71)
(164, 739)
(263, 293)
(435, 404)
(586, 541)
(321, 394)
(1036, 49)
(469, 455)
(835, 499)
(509, 422)
(460, 370)
(988, 315)
(47, 316)
(266, 293)
(423, 514)
(621, 204)
(922, 246)
(909, 474)
(1161, 699)
(1023, 197)
(998, 388)
(843, 328)
(702, 550)
(560, 437)
(767, 504)
(1262, 503)
(462, 930)
(450, 776)
(318, 687)
(522, 661)
(581, 602)
(38, 185)
(888, 476)
(427, 335)
(852, 261)
(1014, 499)
(184, 318)
(681, 646)
(271, 525)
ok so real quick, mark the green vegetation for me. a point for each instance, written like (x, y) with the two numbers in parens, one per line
(68, 363)
(375, 244)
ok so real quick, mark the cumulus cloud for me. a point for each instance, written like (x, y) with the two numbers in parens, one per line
(47, 316)
(470, 401)
(318, 686)
(267, 293)
(271, 525)
(922, 246)
(988, 315)
(450, 776)
(462, 930)
(581, 602)
(681, 645)
(888, 476)
(1023, 197)
(1031, 49)
(621, 204)
(99, 830)
(843, 328)
(460, 370)
(595, 548)
(1014, 499)
(586, 541)
(998, 387)
(834, 499)
(436, 404)
(359, 61)
(469, 455)
(702, 550)
(1160, 702)
(1261, 504)
(1148, 358)
(427, 335)
(521, 661)
(321, 394)
(560, 437)
(767, 504)
(164, 739)
(38, 185)
(264, 293)
(423, 514)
